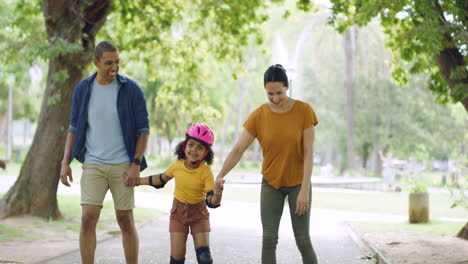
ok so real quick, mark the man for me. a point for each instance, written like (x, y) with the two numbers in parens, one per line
(108, 133)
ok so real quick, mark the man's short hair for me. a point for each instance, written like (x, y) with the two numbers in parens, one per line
(104, 46)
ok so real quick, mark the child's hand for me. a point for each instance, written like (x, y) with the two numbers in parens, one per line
(218, 192)
(137, 181)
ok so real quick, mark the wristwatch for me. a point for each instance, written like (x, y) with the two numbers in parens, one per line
(137, 161)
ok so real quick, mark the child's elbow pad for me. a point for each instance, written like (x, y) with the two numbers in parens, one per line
(159, 186)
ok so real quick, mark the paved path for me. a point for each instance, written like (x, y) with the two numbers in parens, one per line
(235, 237)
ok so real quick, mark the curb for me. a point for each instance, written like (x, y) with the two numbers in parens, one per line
(367, 248)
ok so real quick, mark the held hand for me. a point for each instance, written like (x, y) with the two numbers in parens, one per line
(64, 172)
(218, 185)
(132, 175)
(216, 199)
(302, 205)
(126, 180)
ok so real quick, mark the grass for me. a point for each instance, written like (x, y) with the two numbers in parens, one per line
(384, 202)
(8, 233)
(433, 227)
(249, 166)
(372, 202)
(375, 202)
(236, 193)
(12, 169)
(71, 211)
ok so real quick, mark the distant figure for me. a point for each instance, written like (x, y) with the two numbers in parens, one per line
(389, 169)
(3, 164)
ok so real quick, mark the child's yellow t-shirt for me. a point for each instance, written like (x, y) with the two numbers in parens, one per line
(281, 137)
(191, 186)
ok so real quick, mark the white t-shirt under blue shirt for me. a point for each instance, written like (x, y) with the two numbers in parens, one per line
(104, 139)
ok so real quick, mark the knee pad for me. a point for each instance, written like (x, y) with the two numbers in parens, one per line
(204, 255)
(173, 261)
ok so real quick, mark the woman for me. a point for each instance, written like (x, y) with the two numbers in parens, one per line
(284, 127)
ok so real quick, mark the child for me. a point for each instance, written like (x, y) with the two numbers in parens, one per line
(193, 192)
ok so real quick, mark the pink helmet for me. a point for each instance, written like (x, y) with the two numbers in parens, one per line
(200, 132)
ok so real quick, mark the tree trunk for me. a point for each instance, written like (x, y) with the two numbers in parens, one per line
(35, 190)
(447, 60)
(3, 128)
(463, 233)
(240, 106)
(222, 151)
(376, 163)
(328, 152)
(349, 51)
(450, 58)
(366, 152)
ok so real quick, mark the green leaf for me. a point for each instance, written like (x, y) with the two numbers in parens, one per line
(61, 76)
(53, 100)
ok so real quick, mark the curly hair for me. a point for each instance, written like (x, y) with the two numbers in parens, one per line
(179, 152)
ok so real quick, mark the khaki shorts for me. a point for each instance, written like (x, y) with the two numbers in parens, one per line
(185, 216)
(98, 178)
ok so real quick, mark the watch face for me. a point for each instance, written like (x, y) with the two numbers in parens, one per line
(137, 161)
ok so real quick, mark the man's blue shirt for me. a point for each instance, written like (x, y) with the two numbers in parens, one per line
(131, 108)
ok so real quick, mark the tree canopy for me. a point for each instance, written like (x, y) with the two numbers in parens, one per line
(430, 35)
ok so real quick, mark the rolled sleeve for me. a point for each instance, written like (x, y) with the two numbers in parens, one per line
(71, 129)
(143, 131)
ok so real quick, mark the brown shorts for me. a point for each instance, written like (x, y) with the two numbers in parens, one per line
(185, 216)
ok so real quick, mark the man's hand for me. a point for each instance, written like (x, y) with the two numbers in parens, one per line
(64, 172)
(132, 175)
(302, 205)
(138, 181)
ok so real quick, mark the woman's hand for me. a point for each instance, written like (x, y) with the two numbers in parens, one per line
(302, 204)
(218, 185)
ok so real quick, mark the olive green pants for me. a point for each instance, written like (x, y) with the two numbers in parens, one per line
(271, 207)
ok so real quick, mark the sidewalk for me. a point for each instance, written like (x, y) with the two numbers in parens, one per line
(235, 237)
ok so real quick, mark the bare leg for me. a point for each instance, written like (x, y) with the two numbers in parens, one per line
(89, 217)
(129, 235)
(178, 245)
(202, 248)
(201, 239)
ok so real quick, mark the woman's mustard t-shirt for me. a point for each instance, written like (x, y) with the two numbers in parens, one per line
(191, 186)
(281, 137)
